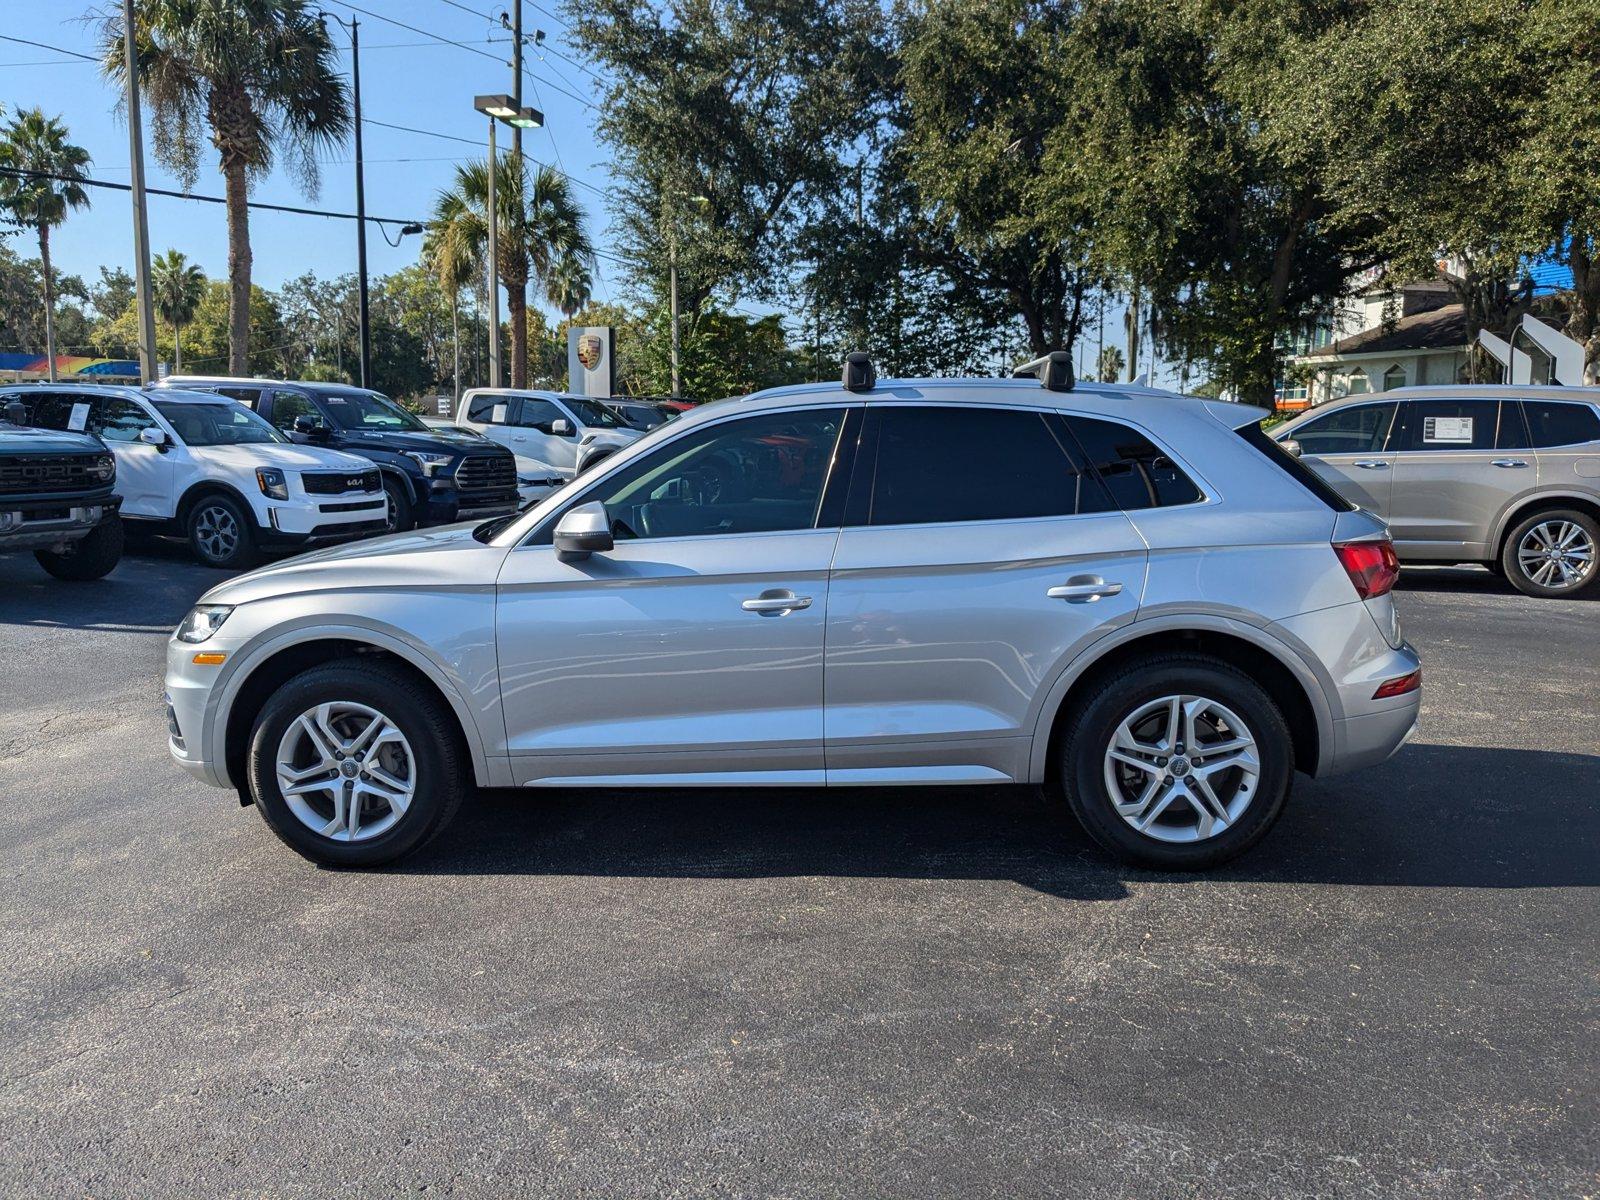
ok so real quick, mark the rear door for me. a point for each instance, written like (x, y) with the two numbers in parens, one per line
(1460, 464)
(1351, 448)
(977, 555)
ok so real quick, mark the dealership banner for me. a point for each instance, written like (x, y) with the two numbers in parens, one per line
(591, 369)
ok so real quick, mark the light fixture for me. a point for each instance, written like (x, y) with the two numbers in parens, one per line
(527, 118)
(500, 106)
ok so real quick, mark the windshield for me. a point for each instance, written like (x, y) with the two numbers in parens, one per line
(221, 424)
(593, 414)
(369, 411)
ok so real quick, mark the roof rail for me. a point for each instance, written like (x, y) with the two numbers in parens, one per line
(1053, 371)
(859, 373)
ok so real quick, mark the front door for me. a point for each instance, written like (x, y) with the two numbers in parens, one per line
(1351, 448)
(1460, 464)
(145, 473)
(533, 436)
(977, 558)
(674, 657)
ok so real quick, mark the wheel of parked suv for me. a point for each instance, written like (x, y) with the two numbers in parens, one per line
(1179, 763)
(397, 516)
(355, 764)
(91, 557)
(1552, 553)
(219, 532)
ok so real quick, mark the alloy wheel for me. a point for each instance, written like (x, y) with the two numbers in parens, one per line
(1182, 768)
(1556, 554)
(217, 532)
(346, 771)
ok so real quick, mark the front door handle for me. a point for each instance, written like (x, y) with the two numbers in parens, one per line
(1510, 462)
(774, 602)
(1372, 464)
(1084, 588)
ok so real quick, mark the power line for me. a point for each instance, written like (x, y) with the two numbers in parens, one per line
(451, 137)
(558, 23)
(5, 37)
(124, 187)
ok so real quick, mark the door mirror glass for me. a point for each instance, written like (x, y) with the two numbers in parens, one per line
(151, 436)
(561, 427)
(307, 424)
(1291, 447)
(583, 530)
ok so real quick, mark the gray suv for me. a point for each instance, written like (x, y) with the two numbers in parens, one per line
(1504, 476)
(1133, 598)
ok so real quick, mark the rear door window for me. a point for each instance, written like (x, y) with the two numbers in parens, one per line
(937, 464)
(491, 410)
(1138, 473)
(1553, 423)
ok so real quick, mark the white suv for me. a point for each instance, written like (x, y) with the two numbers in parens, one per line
(208, 468)
(564, 432)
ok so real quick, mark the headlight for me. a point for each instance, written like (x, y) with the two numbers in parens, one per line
(203, 620)
(105, 468)
(272, 483)
(432, 464)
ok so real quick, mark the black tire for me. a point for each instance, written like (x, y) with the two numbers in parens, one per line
(221, 532)
(441, 776)
(1520, 575)
(1094, 722)
(92, 557)
(397, 514)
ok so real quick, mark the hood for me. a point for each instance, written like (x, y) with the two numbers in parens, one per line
(286, 455)
(448, 557)
(442, 441)
(24, 439)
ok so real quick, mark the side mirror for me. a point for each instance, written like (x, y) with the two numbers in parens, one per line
(561, 427)
(151, 436)
(1291, 447)
(583, 530)
(310, 426)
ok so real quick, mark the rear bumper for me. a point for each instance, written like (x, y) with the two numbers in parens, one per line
(1370, 739)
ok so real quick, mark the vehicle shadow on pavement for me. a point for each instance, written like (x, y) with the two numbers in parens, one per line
(142, 594)
(1433, 816)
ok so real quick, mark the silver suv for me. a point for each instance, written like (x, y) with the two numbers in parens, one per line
(1134, 598)
(1504, 476)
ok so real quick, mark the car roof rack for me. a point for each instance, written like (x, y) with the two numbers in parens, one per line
(859, 373)
(1053, 371)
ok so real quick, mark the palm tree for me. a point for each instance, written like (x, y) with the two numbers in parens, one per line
(178, 285)
(569, 285)
(260, 77)
(540, 225)
(34, 142)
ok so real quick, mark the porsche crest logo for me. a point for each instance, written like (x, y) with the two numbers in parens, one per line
(591, 348)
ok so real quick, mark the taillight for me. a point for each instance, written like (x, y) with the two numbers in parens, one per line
(1372, 566)
(1399, 686)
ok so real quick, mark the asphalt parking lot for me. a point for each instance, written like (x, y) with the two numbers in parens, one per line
(906, 993)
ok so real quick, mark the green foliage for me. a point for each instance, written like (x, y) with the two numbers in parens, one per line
(31, 141)
(1111, 365)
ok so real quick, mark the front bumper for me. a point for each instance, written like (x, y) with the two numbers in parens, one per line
(42, 524)
(320, 520)
(189, 694)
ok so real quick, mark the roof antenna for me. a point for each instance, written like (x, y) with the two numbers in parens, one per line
(859, 373)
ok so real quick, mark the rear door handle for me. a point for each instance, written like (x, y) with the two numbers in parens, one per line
(1510, 462)
(1372, 464)
(1084, 588)
(775, 602)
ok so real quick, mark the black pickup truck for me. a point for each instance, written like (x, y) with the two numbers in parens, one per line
(56, 499)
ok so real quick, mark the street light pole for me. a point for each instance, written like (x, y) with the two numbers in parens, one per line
(141, 220)
(365, 329)
(672, 270)
(493, 256)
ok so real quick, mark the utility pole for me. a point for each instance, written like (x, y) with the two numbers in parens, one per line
(365, 330)
(141, 221)
(493, 257)
(516, 77)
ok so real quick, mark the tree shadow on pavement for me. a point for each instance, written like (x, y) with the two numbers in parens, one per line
(1433, 816)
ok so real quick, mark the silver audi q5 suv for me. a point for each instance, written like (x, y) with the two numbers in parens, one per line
(1133, 598)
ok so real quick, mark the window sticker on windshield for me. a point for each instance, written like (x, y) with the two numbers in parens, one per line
(334, 399)
(497, 415)
(1447, 429)
(79, 418)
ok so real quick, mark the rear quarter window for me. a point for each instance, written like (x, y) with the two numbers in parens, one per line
(1136, 471)
(1554, 423)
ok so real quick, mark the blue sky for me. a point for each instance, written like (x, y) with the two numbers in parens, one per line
(423, 77)
(406, 79)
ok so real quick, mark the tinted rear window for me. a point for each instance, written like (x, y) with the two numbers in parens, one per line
(1561, 423)
(1302, 474)
(1136, 470)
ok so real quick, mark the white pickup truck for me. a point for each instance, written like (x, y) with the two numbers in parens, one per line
(567, 433)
